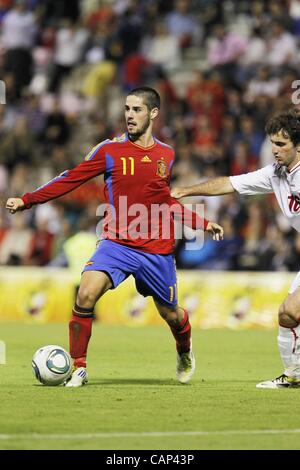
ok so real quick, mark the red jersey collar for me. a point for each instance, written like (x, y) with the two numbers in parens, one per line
(140, 146)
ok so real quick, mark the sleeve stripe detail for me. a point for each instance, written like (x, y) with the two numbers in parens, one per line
(108, 177)
(296, 167)
(94, 150)
(57, 178)
(162, 143)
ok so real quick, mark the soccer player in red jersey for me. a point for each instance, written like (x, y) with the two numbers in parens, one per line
(137, 170)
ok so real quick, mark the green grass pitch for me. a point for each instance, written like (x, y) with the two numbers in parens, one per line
(133, 401)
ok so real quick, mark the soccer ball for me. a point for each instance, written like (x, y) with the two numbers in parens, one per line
(51, 365)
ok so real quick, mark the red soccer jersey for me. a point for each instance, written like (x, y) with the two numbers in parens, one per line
(137, 181)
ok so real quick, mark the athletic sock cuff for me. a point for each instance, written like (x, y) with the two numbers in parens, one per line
(81, 311)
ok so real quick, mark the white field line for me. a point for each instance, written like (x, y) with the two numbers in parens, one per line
(117, 435)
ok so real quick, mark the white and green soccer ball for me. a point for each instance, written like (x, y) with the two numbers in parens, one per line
(51, 365)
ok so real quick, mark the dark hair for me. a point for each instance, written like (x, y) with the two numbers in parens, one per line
(150, 96)
(288, 122)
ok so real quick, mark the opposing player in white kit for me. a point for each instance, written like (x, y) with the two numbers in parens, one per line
(283, 179)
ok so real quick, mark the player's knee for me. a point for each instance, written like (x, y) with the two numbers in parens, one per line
(288, 315)
(86, 297)
(172, 318)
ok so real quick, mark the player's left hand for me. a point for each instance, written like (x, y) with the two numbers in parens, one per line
(215, 230)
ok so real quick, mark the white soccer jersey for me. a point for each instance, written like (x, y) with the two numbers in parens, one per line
(278, 180)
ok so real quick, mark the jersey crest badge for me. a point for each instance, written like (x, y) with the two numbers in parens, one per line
(162, 169)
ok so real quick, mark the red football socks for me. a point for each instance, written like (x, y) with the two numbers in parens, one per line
(182, 335)
(80, 330)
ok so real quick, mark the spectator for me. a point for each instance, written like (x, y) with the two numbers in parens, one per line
(262, 84)
(242, 160)
(163, 49)
(40, 246)
(70, 44)
(19, 30)
(224, 52)
(281, 47)
(15, 244)
(182, 25)
(18, 146)
(56, 127)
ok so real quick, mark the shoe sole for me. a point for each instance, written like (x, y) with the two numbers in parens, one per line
(273, 387)
(267, 386)
(76, 386)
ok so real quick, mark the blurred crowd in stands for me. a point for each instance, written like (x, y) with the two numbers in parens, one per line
(221, 68)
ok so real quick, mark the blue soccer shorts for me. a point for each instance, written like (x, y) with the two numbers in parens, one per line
(155, 275)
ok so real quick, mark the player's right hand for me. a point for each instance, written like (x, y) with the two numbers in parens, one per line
(15, 204)
(215, 230)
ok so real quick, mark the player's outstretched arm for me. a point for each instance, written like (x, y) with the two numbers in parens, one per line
(63, 183)
(215, 230)
(213, 187)
(15, 204)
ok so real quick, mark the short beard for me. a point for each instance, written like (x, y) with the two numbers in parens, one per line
(136, 135)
